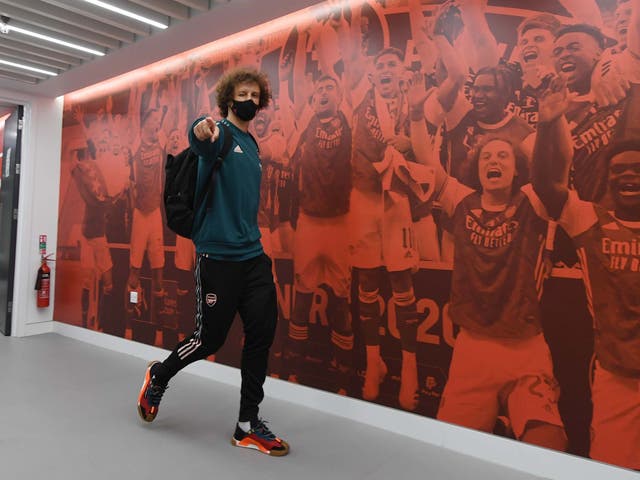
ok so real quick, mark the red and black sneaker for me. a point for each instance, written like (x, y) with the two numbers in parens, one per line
(260, 438)
(150, 395)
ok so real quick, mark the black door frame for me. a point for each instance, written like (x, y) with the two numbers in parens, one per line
(9, 192)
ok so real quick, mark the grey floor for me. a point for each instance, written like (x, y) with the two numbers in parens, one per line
(67, 411)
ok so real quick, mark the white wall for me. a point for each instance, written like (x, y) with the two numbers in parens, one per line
(38, 205)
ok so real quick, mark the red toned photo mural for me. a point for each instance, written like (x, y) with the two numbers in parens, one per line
(451, 196)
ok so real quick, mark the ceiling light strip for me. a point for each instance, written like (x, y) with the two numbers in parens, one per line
(126, 13)
(174, 62)
(27, 67)
(55, 40)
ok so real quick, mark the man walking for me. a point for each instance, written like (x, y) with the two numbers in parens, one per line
(232, 272)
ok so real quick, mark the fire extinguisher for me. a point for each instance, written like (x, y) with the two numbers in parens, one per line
(43, 284)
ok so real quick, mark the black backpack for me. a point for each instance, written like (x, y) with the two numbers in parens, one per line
(180, 175)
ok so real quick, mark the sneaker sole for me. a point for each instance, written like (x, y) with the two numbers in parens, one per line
(150, 417)
(248, 443)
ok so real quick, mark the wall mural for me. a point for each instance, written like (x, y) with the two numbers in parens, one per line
(416, 265)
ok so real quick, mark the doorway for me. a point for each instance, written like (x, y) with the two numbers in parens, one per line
(11, 118)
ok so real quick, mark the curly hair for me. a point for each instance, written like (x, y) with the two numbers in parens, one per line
(506, 78)
(226, 86)
(471, 177)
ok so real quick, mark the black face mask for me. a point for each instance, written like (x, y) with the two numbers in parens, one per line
(244, 110)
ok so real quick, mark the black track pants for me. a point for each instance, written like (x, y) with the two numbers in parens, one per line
(222, 289)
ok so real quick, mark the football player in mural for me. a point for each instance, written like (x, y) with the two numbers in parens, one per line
(101, 175)
(147, 226)
(536, 34)
(501, 361)
(322, 165)
(381, 225)
(608, 245)
(95, 255)
(492, 91)
(577, 50)
(534, 47)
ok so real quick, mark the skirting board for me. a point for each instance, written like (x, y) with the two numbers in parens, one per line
(35, 328)
(509, 453)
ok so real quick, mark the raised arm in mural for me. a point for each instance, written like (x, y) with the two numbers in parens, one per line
(292, 66)
(162, 103)
(78, 115)
(476, 43)
(133, 118)
(553, 150)
(358, 62)
(421, 141)
(295, 91)
(201, 90)
(437, 56)
(355, 61)
(325, 36)
(175, 120)
(421, 33)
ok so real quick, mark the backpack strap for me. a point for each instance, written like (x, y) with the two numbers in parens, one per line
(227, 134)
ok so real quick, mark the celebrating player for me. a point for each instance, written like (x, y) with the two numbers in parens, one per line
(501, 359)
(607, 243)
(381, 226)
(321, 250)
(577, 50)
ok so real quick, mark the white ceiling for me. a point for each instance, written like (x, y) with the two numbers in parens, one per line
(128, 43)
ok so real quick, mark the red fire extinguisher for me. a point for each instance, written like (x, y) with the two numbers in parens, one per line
(43, 284)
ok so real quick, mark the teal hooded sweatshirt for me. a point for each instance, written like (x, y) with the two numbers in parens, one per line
(229, 230)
